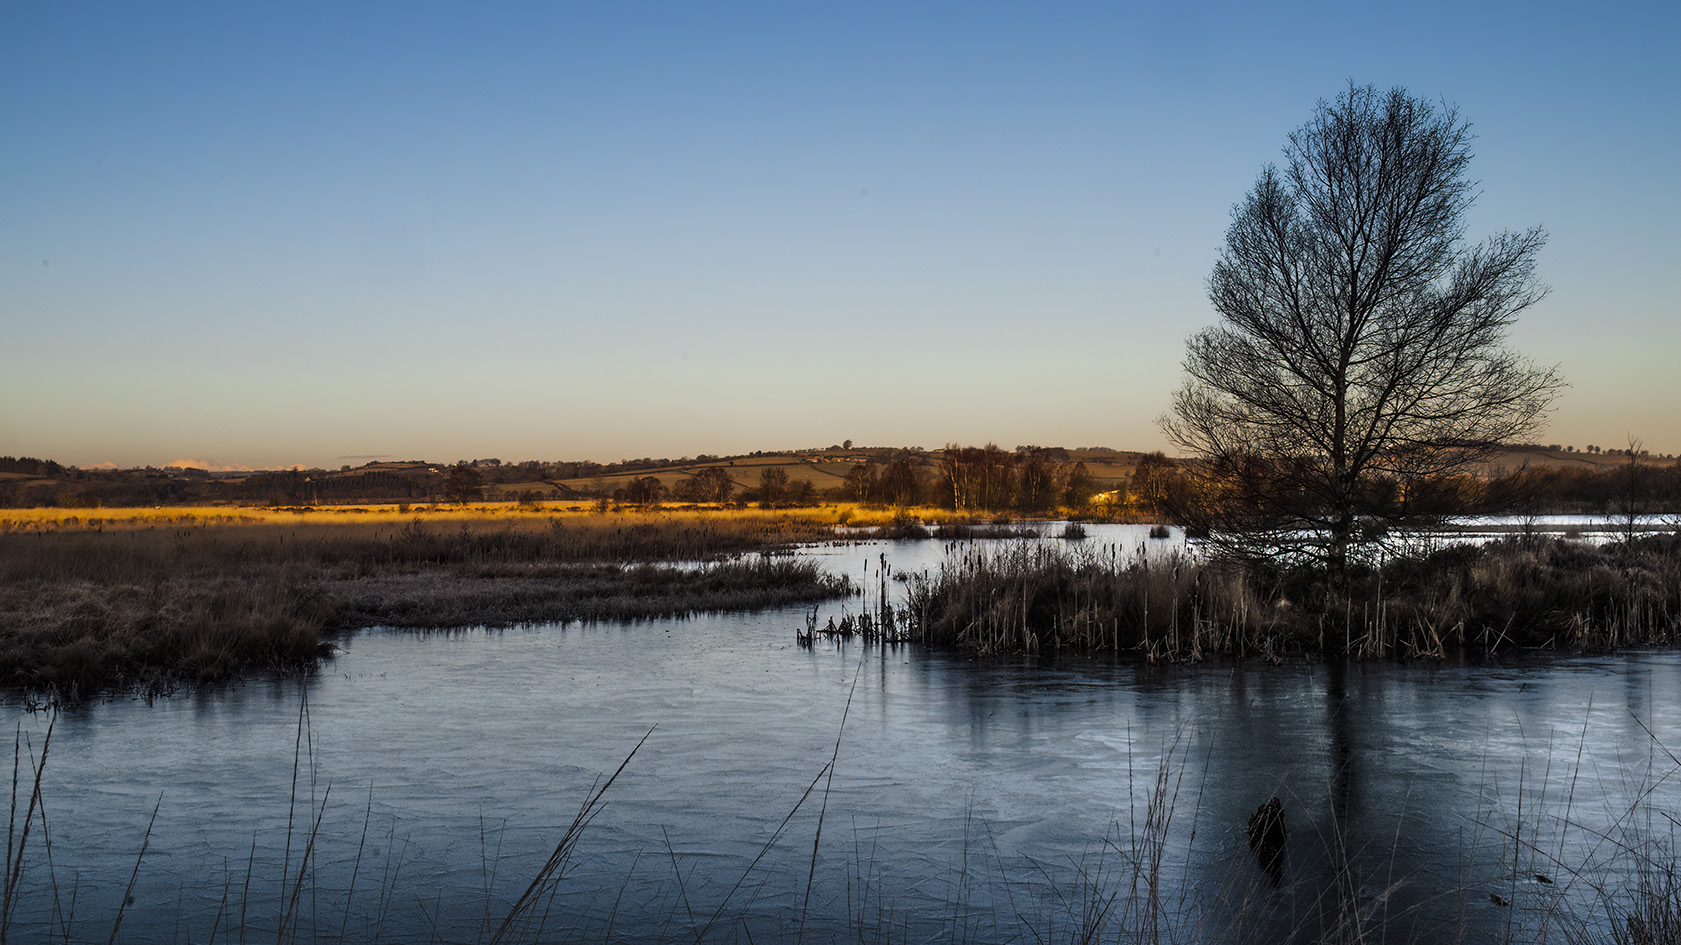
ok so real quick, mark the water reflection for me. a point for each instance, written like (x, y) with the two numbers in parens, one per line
(980, 797)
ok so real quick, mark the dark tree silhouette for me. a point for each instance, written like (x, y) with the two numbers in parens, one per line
(711, 484)
(1360, 348)
(901, 480)
(645, 492)
(463, 483)
(860, 484)
(773, 485)
(1080, 488)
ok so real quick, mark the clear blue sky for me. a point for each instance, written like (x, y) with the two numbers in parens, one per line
(276, 233)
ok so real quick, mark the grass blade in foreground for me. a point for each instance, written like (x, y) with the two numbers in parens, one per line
(554, 869)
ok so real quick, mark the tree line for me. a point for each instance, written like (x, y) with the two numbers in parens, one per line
(1028, 480)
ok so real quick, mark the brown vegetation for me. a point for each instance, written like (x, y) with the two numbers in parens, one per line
(1519, 592)
(83, 609)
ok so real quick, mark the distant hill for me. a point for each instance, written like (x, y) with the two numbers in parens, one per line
(1551, 457)
(42, 482)
(811, 474)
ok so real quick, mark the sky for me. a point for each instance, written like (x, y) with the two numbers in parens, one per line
(266, 234)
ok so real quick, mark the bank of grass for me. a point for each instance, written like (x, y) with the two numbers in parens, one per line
(86, 607)
(1519, 592)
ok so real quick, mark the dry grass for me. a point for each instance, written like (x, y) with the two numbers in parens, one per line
(1554, 594)
(87, 605)
(1038, 597)
(476, 515)
(1531, 592)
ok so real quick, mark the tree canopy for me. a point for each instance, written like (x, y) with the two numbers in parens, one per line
(1361, 342)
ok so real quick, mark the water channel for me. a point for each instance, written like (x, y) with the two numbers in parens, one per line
(412, 788)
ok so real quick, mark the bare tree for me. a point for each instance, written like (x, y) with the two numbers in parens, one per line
(901, 481)
(1631, 503)
(711, 484)
(645, 492)
(1360, 348)
(463, 483)
(773, 485)
(860, 484)
(978, 477)
(1154, 485)
(1081, 487)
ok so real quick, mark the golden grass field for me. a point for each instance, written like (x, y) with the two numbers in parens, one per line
(477, 514)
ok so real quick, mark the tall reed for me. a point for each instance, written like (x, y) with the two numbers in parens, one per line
(1555, 593)
(1032, 598)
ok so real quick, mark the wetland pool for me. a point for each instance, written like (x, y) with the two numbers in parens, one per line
(412, 788)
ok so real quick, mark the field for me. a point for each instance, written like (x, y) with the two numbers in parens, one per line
(810, 523)
(475, 515)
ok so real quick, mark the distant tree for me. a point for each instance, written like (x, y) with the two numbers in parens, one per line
(1080, 488)
(711, 484)
(1153, 482)
(1632, 501)
(1039, 480)
(802, 492)
(980, 478)
(773, 485)
(715, 484)
(901, 481)
(463, 483)
(860, 484)
(644, 492)
(846, 445)
(30, 466)
(1360, 347)
(686, 490)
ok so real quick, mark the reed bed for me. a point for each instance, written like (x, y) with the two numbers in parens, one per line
(1518, 592)
(561, 593)
(83, 610)
(1030, 598)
